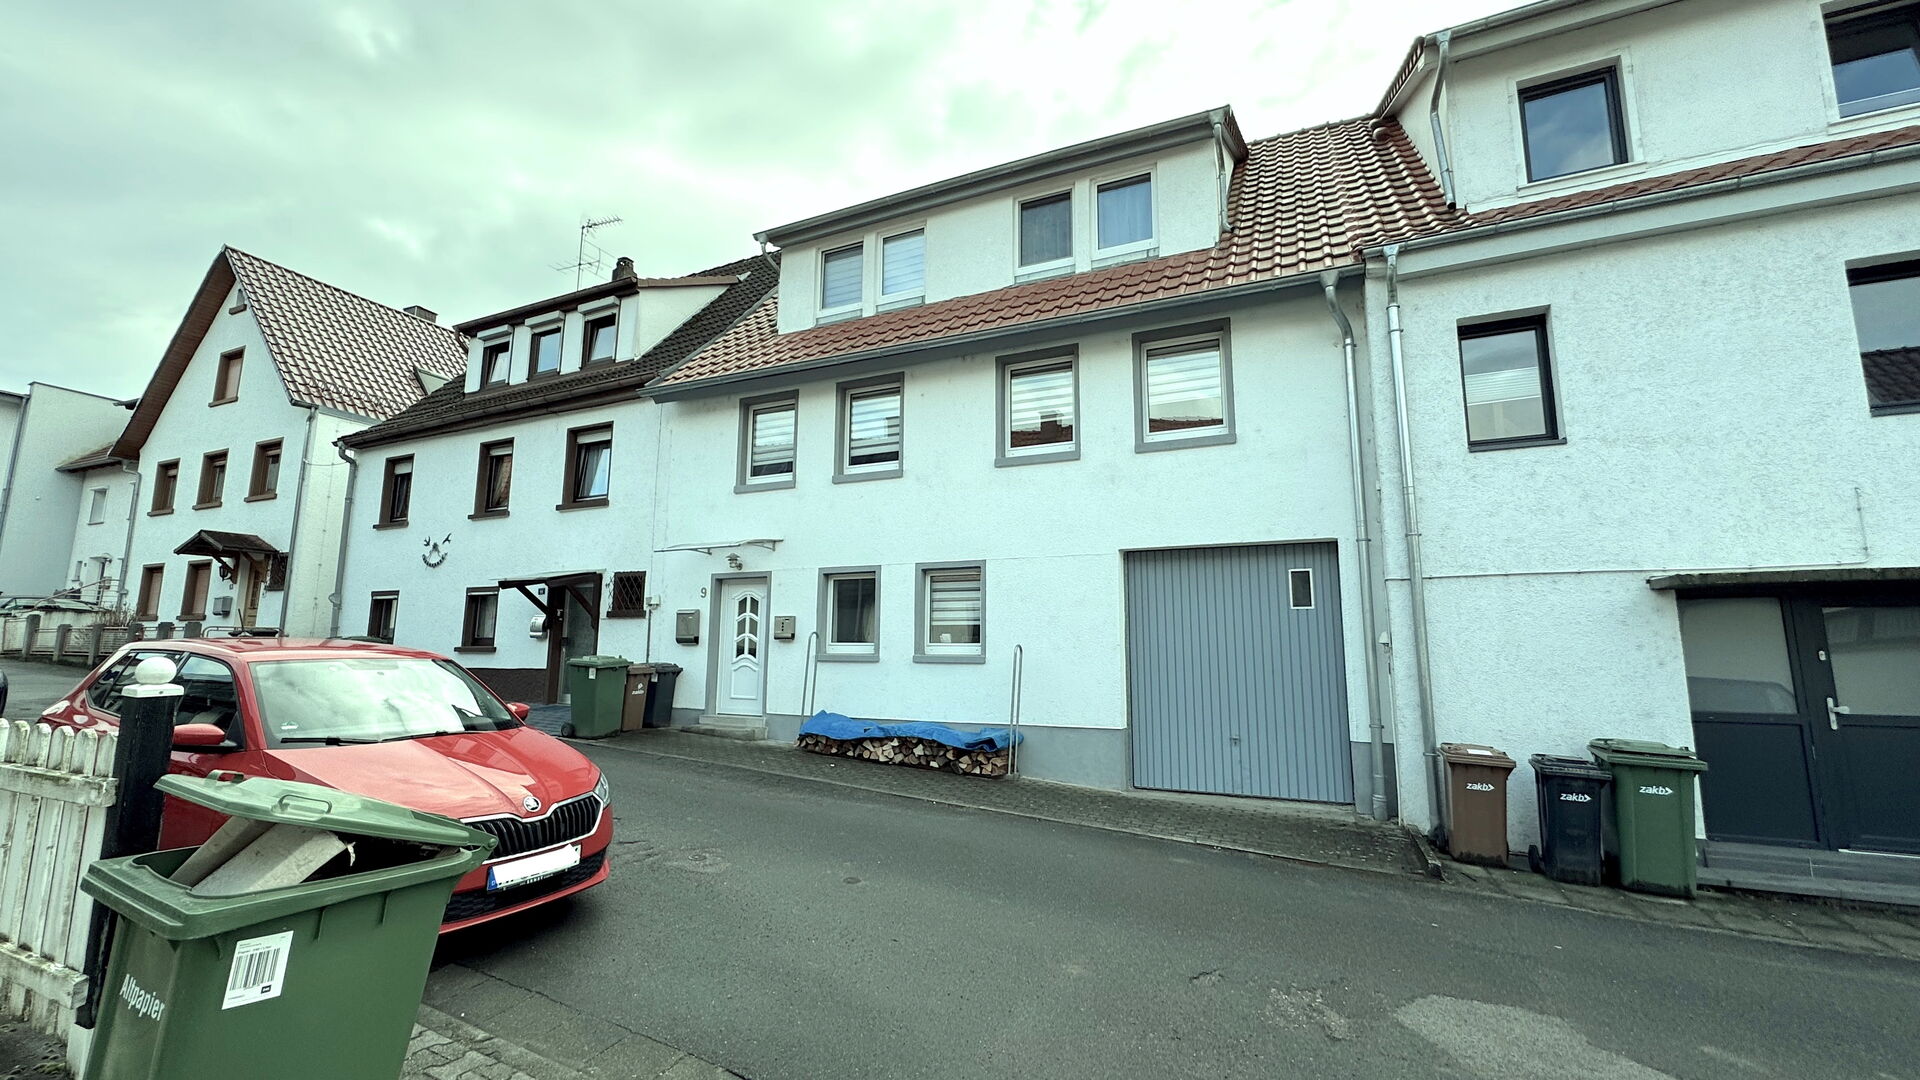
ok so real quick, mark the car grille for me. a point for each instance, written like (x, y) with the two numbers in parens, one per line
(570, 820)
(472, 905)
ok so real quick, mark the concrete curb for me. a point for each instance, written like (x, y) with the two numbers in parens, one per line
(1435, 866)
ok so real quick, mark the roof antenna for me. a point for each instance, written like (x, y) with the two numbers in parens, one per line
(583, 261)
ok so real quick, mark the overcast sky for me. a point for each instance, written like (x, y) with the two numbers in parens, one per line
(443, 153)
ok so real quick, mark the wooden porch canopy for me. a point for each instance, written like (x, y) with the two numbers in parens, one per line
(584, 585)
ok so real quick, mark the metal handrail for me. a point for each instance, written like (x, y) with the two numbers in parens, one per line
(810, 675)
(1013, 709)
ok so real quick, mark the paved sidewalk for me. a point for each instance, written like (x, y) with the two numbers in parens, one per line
(445, 1047)
(1328, 836)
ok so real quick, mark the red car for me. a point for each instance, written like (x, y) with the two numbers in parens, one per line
(389, 723)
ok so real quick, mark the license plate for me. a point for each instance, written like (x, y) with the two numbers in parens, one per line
(533, 867)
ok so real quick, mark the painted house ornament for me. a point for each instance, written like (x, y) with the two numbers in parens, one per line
(436, 552)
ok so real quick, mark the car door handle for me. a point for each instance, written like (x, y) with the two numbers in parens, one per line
(1835, 712)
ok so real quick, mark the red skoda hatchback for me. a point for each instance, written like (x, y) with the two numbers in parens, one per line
(389, 723)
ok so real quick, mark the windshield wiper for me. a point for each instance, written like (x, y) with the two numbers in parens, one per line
(416, 735)
(330, 740)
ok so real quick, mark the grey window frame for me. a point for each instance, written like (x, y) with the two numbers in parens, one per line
(841, 431)
(1608, 76)
(1004, 454)
(1873, 274)
(823, 649)
(742, 481)
(503, 350)
(537, 334)
(1549, 393)
(1869, 13)
(1146, 340)
(920, 573)
(588, 324)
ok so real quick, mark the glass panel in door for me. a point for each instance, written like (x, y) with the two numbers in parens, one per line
(1873, 722)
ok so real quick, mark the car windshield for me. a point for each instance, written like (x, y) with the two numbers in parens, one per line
(370, 699)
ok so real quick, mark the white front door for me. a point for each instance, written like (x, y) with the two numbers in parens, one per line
(742, 643)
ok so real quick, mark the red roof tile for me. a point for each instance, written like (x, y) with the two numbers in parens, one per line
(1298, 204)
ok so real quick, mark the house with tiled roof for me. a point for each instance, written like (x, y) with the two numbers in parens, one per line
(240, 497)
(508, 517)
(1659, 391)
(63, 523)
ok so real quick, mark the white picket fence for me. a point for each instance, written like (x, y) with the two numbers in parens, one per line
(55, 787)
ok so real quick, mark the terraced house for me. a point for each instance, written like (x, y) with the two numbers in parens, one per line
(1569, 393)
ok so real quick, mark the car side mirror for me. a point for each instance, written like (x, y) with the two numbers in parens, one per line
(200, 737)
(519, 709)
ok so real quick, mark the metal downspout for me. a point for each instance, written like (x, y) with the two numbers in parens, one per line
(126, 552)
(1409, 506)
(337, 600)
(1363, 550)
(293, 534)
(1441, 157)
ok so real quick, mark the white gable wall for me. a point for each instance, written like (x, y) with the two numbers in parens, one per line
(36, 533)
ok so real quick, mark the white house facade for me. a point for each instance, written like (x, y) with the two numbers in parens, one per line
(241, 492)
(1662, 385)
(42, 432)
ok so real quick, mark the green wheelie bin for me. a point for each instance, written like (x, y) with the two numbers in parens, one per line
(1653, 814)
(293, 945)
(597, 686)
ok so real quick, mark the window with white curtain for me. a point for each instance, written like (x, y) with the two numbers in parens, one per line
(1123, 213)
(840, 286)
(953, 612)
(870, 429)
(1039, 406)
(1046, 230)
(1504, 373)
(903, 265)
(1184, 384)
(769, 442)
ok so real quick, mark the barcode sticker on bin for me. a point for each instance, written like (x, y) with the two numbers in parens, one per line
(259, 969)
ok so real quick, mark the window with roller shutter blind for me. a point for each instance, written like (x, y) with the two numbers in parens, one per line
(767, 430)
(951, 609)
(840, 280)
(870, 429)
(1183, 387)
(1038, 407)
(903, 266)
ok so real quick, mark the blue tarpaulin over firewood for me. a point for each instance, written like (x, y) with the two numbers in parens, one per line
(835, 726)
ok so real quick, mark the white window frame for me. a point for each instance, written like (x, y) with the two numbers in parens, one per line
(1027, 271)
(97, 506)
(846, 472)
(930, 652)
(847, 651)
(1006, 454)
(750, 408)
(1120, 252)
(1219, 334)
(888, 301)
(1313, 597)
(845, 311)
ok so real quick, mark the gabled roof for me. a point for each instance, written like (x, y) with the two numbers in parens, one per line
(452, 407)
(332, 348)
(1300, 203)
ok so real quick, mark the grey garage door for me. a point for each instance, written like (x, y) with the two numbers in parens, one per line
(1236, 672)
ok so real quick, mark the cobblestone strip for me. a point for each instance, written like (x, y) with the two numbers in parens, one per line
(446, 1048)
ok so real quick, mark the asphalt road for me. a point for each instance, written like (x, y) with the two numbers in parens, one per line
(33, 687)
(787, 929)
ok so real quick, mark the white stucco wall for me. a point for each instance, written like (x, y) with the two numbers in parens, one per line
(1051, 535)
(106, 539)
(37, 532)
(1715, 417)
(533, 538)
(1701, 81)
(188, 428)
(972, 245)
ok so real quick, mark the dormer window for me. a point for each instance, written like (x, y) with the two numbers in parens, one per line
(840, 280)
(1046, 232)
(493, 364)
(599, 343)
(903, 266)
(1123, 214)
(1572, 125)
(545, 353)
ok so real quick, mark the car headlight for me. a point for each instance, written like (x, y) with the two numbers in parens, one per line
(602, 792)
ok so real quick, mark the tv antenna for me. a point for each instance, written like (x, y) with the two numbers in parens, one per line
(590, 255)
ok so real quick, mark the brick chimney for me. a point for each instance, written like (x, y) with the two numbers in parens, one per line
(623, 268)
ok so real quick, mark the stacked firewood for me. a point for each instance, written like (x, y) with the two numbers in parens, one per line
(924, 753)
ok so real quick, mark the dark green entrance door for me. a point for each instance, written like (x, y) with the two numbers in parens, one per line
(1806, 706)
